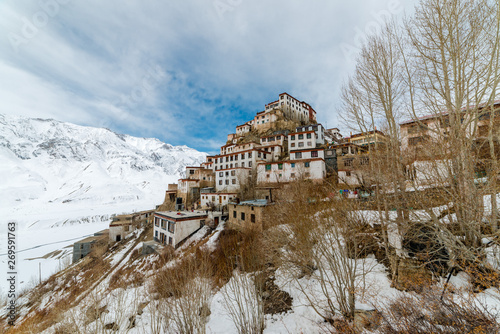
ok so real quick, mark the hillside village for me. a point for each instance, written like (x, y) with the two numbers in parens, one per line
(281, 144)
(279, 169)
(296, 228)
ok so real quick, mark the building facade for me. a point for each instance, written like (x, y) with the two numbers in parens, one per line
(173, 227)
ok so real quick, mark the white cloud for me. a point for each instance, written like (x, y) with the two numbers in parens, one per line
(219, 66)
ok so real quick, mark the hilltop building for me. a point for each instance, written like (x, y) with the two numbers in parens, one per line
(280, 144)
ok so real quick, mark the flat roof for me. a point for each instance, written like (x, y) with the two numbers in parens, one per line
(445, 113)
(255, 202)
(91, 239)
(182, 214)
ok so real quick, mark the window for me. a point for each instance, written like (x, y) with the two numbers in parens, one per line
(234, 214)
(292, 175)
(348, 173)
(236, 157)
(308, 136)
(163, 224)
(242, 164)
(298, 155)
(301, 144)
(227, 182)
(227, 173)
(242, 216)
(236, 165)
(250, 164)
(293, 137)
(348, 162)
(307, 174)
(170, 240)
(191, 171)
(233, 181)
(213, 198)
(415, 140)
(364, 160)
(292, 145)
(345, 150)
(233, 173)
(171, 227)
(268, 167)
(314, 154)
(293, 164)
(242, 155)
(232, 158)
(220, 182)
(307, 164)
(280, 166)
(309, 143)
(252, 218)
(249, 154)
(301, 137)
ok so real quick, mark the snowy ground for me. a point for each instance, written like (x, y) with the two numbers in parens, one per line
(53, 228)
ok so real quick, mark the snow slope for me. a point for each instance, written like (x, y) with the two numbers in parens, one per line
(62, 182)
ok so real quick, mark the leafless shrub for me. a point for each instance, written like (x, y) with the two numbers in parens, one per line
(244, 304)
(186, 289)
(428, 313)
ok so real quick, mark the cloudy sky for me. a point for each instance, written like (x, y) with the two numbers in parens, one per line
(187, 71)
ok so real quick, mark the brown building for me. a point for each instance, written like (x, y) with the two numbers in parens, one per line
(248, 214)
(352, 161)
(369, 139)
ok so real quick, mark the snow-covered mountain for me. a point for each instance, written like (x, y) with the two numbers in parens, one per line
(51, 161)
(63, 181)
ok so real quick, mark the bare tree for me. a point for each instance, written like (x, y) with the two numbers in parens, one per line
(441, 62)
(243, 303)
(340, 264)
(186, 289)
